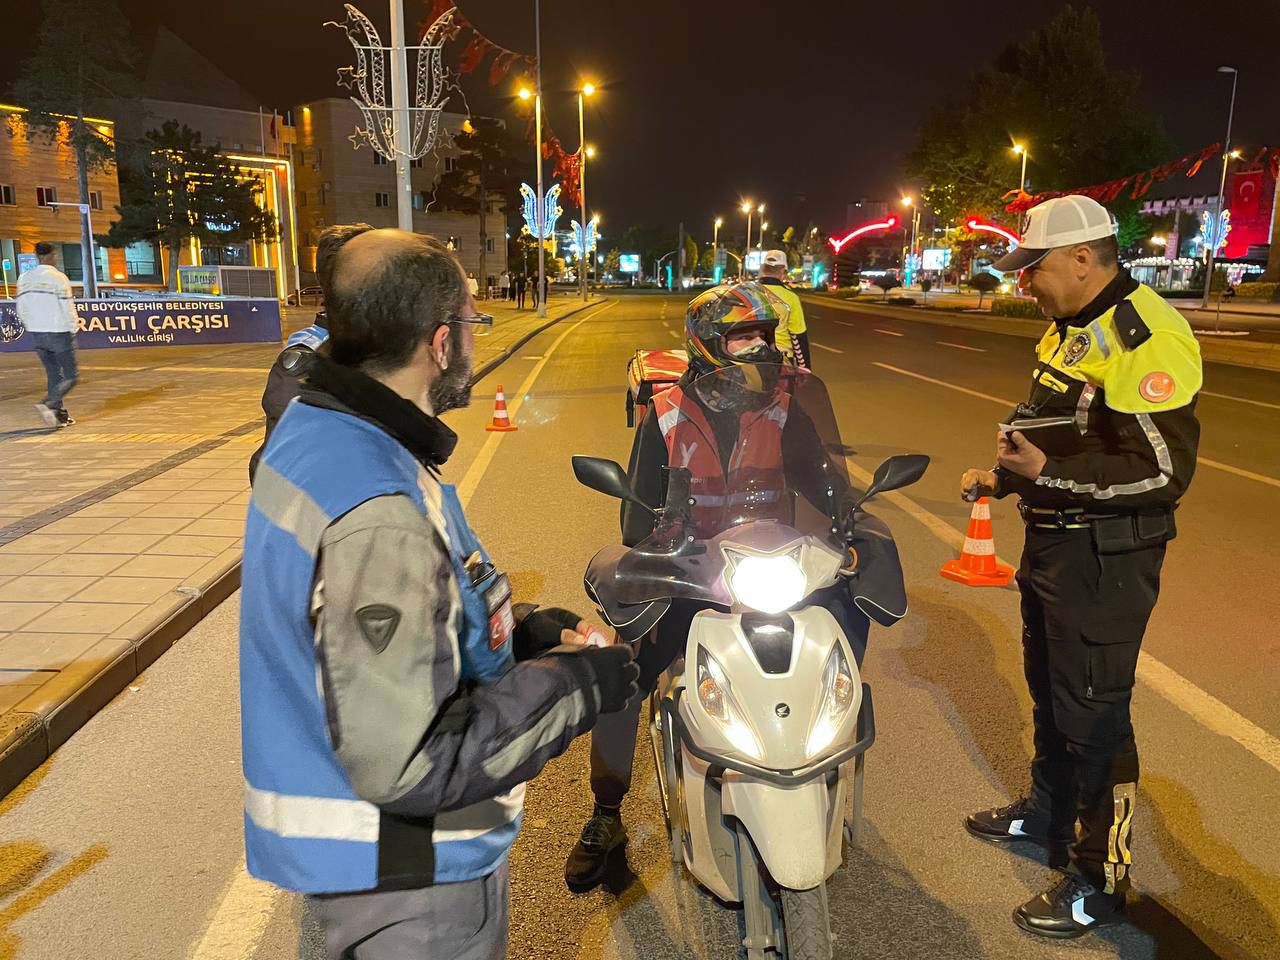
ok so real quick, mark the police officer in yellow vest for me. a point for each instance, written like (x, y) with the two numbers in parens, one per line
(792, 336)
(1098, 493)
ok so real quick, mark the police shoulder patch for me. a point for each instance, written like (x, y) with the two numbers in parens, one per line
(1076, 349)
(1131, 329)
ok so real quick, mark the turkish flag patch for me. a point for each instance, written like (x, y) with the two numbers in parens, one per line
(1157, 387)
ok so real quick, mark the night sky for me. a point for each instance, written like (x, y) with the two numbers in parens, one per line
(803, 105)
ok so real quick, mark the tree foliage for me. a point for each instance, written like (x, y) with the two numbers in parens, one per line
(190, 191)
(1053, 91)
(487, 154)
(984, 283)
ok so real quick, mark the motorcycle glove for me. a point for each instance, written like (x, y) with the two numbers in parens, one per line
(614, 670)
(538, 630)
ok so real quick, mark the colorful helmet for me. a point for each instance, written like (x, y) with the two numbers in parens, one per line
(716, 313)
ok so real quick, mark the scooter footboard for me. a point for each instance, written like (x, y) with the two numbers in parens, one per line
(794, 828)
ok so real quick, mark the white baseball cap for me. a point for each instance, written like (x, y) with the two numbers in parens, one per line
(774, 258)
(1060, 222)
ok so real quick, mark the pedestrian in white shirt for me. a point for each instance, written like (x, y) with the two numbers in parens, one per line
(47, 311)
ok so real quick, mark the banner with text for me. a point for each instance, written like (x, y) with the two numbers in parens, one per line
(157, 323)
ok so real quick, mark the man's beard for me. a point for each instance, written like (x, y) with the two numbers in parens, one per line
(451, 390)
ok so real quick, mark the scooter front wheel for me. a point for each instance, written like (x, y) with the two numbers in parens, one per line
(806, 924)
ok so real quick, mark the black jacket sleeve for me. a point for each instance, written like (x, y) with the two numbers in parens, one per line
(648, 457)
(284, 383)
(1149, 463)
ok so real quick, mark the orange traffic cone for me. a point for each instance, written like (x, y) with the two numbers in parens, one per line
(978, 566)
(501, 422)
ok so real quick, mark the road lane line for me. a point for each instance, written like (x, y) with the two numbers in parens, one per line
(958, 346)
(823, 346)
(1227, 396)
(1215, 464)
(888, 333)
(1201, 706)
(1237, 471)
(241, 918)
(845, 323)
(475, 473)
(944, 383)
(238, 922)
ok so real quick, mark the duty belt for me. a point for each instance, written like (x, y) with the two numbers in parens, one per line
(1072, 518)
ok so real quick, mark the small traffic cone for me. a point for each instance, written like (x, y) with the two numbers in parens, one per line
(501, 422)
(978, 566)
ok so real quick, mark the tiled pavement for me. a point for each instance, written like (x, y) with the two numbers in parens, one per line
(121, 532)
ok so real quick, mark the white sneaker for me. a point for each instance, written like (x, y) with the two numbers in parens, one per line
(47, 414)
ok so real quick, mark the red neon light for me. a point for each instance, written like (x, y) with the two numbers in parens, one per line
(975, 224)
(837, 245)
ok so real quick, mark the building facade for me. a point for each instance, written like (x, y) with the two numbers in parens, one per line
(338, 183)
(35, 173)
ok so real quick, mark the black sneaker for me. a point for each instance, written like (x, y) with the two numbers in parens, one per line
(1069, 909)
(589, 859)
(64, 419)
(1011, 824)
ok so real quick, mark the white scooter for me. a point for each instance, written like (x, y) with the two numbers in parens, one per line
(760, 731)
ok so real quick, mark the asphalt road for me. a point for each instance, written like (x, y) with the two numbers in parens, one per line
(127, 844)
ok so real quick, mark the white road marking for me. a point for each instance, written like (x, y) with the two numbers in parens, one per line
(958, 346)
(1227, 396)
(672, 333)
(238, 922)
(240, 919)
(532, 356)
(823, 346)
(888, 333)
(1201, 706)
(1237, 471)
(1217, 465)
(845, 323)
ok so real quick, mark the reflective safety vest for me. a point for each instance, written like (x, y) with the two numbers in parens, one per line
(305, 827)
(755, 473)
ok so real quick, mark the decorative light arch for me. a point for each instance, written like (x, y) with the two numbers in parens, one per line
(973, 223)
(886, 224)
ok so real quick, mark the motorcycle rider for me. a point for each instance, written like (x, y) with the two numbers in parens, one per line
(732, 329)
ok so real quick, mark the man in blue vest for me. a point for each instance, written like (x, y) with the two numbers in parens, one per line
(394, 702)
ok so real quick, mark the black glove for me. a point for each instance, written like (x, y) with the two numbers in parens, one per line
(616, 674)
(538, 630)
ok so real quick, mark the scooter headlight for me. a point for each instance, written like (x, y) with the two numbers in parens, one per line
(716, 697)
(838, 695)
(767, 584)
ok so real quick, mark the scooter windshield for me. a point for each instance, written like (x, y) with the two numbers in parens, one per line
(756, 461)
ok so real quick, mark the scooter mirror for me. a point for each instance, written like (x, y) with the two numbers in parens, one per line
(607, 477)
(896, 473)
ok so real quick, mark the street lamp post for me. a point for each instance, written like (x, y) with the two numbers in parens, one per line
(583, 153)
(760, 211)
(910, 202)
(1222, 188)
(1020, 149)
(537, 147)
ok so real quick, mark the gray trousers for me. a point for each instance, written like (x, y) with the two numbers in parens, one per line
(451, 921)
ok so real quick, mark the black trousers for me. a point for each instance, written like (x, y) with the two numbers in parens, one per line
(1084, 613)
(613, 738)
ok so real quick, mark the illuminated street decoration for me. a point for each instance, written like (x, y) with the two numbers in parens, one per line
(368, 78)
(1214, 232)
(540, 218)
(977, 225)
(592, 236)
(838, 245)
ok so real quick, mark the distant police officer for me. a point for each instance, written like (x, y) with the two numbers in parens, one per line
(793, 335)
(284, 382)
(1098, 501)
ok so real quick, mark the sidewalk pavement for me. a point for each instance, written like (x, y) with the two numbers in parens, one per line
(1257, 348)
(120, 533)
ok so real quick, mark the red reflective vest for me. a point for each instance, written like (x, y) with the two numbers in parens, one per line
(755, 476)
